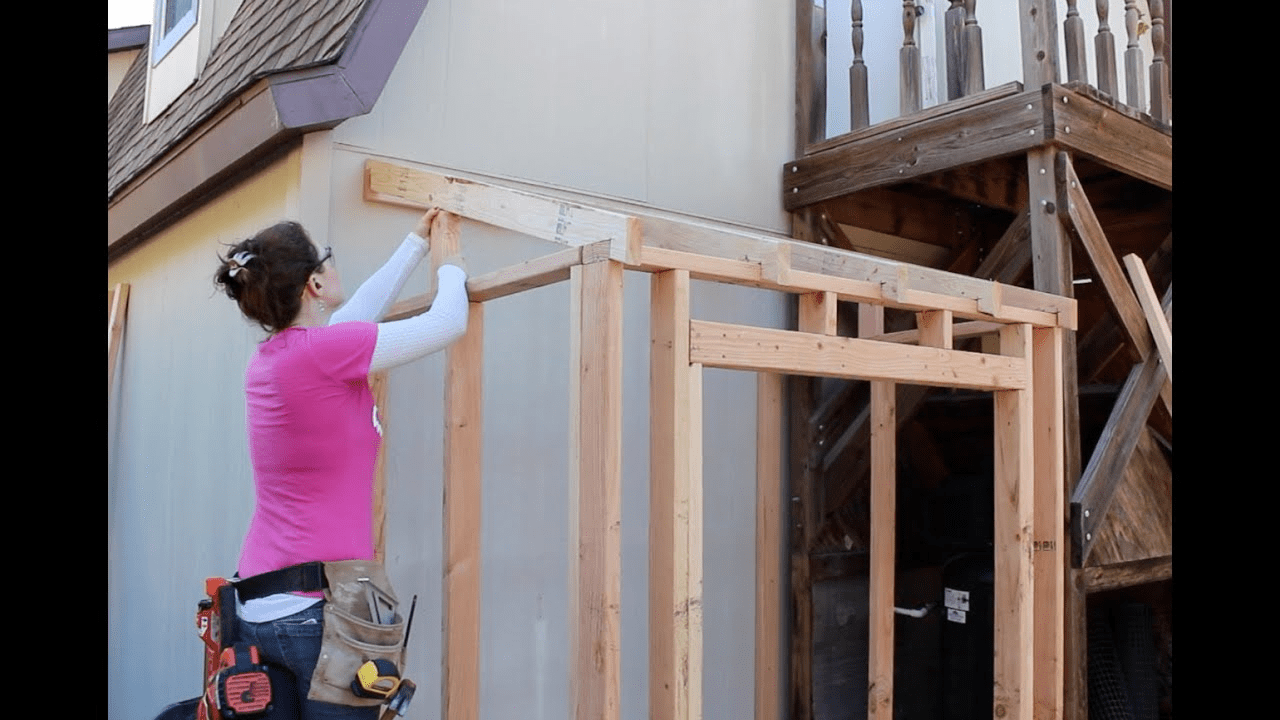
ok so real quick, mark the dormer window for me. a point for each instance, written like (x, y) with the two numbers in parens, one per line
(174, 18)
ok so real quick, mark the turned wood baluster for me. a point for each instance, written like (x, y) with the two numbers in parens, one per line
(1104, 45)
(1073, 29)
(859, 113)
(909, 62)
(1134, 88)
(973, 70)
(1161, 102)
(953, 26)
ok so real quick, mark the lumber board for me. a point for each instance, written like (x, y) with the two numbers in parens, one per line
(740, 347)
(558, 221)
(930, 113)
(818, 313)
(994, 129)
(1128, 574)
(1013, 535)
(1117, 293)
(1103, 133)
(1150, 303)
(1048, 521)
(675, 583)
(596, 479)
(884, 429)
(802, 526)
(1115, 446)
(995, 183)
(1103, 341)
(378, 386)
(770, 621)
(460, 605)
(935, 328)
(510, 280)
(962, 330)
(1139, 521)
(117, 308)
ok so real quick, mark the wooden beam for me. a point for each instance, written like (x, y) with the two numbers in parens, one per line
(1128, 574)
(1038, 28)
(1150, 303)
(935, 329)
(378, 386)
(770, 622)
(1119, 437)
(117, 308)
(739, 347)
(1117, 293)
(460, 606)
(995, 129)
(1049, 522)
(675, 521)
(976, 328)
(596, 491)
(1102, 133)
(884, 429)
(558, 221)
(1013, 534)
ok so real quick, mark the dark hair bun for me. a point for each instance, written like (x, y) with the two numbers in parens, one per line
(266, 274)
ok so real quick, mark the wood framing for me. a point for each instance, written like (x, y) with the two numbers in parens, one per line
(675, 252)
(1049, 521)
(1151, 309)
(117, 307)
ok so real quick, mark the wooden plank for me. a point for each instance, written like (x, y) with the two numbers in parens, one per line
(1014, 498)
(460, 606)
(378, 386)
(675, 479)
(739, 347)
(976, 328)
(1103, 133)
(937, 111)
(1038, 28)
(1117, 293)
(1139, 520)
(818, 313)
(1128, 574)
(558, 221)
(995, 129)
(1150, 303)
(1115, 446)
(935, 328)
(595, 564)
(117, 308)
(1049, 522)
(884, 429)
(770, 621)
(870, 321)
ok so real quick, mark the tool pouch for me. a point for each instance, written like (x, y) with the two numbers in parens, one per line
(352, 636)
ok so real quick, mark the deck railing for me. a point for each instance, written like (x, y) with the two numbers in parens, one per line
(942, 54)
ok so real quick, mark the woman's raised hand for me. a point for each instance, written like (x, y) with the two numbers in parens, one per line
(424, 224)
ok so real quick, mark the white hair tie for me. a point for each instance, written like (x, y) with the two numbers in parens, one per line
(238, 261)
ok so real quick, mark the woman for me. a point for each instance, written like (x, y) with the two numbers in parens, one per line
(313, 428)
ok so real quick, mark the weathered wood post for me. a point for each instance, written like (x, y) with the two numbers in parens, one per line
(859, 112)
(909, 62)
(1104, 45)
(974, 80)
(1073, 32)
(1134, 89)
(1161, 102)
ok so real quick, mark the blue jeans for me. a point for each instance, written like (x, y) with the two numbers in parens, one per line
(290, 646)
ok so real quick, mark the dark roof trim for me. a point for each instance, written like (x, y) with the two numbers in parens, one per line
(263, 123)
(128, 38)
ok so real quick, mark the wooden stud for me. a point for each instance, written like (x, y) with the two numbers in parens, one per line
(818, 313)
(870, 320)
(1014, 487)
(935, 328)
(675, 523)
(596, 478)
(770, 622)
(117, 308)
(740, 347)
(884, 429)
(1049, 518)
(1118, 294)
(1150, 303)
(378, 386)
(976, 328)
(460, 607)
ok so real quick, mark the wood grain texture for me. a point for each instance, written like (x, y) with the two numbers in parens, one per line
(1013, 534)
(770, 621)
(1138, 524)
(935, 328)
(993, 129)
(675, 470)
(1038, 28)
(595, 563)
(1128, 574)
(1049, 522)
(558, 221)
(1150, 303)
(884, 430)
(1103, 133)
(748, 348)
(378, 386)
(1117, 293)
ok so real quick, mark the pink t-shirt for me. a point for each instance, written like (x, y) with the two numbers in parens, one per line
(313, 440)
